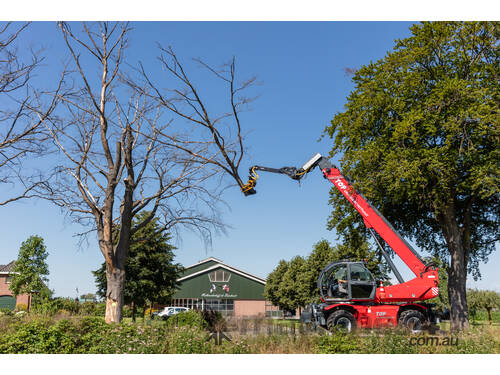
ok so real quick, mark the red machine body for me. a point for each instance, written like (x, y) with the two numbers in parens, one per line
(375, 316)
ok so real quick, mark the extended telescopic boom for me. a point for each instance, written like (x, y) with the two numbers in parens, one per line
(373, 219)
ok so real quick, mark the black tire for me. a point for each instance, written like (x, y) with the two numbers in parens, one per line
(402, 318)
(341, 320)
(414, 320)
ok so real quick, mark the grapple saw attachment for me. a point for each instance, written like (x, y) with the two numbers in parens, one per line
(292, 172)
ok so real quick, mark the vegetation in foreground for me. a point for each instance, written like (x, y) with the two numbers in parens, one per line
(190, 334)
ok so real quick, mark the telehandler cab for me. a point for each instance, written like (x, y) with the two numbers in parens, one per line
(349, 293)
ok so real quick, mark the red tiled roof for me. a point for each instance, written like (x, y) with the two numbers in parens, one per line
(7, 267)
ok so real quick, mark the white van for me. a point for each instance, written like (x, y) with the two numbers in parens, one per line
(169, 311)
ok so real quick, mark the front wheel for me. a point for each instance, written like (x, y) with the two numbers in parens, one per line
(341, 320)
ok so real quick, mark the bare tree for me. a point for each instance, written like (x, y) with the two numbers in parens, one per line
(21, 113)
(121, 156)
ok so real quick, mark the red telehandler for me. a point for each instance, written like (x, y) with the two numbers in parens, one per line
(349, 293)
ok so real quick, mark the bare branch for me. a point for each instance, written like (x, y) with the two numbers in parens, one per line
(224, 150)
(21, 114)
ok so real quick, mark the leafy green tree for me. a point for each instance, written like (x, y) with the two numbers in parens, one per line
(419, 136)
(30, 270)
(474, 302)
(322, 254)
(482, 300)
(291, 290)
(150, 271)
(273, 281)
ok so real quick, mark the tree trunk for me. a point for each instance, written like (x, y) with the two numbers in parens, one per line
(134, 311)
(115, 278)
(457, 272)
(489, 315)
(459, 316)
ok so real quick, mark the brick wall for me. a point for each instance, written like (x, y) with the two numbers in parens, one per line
(249, 308)
(5, 291)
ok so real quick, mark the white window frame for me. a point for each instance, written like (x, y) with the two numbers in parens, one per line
(226, 276)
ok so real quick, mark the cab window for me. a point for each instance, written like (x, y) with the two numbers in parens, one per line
(360, 273)
(334, 283)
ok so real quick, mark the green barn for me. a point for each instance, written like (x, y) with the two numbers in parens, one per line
(212, 285)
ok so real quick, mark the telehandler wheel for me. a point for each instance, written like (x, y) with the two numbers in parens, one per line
(414, 320)
(402, 318)
(341, 320)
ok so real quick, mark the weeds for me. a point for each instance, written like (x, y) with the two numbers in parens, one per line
(474, 341)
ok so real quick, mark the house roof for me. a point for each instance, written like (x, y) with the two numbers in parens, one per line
(7, 268)
(219, 264)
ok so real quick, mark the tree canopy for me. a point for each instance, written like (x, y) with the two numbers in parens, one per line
(30, 269)
(150, 271)
(419, 136)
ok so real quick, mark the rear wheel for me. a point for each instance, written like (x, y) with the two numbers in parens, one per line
(413, 320)
(402, 317)
(341, 320)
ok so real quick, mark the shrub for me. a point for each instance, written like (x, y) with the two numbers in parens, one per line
(42, 335)
(214, 319)
(47, 308)
(188, 340)
(22, 337)
(189, 318)
(63, 306)
(6, 311)
(127, 311)
(90, 334)
(338, 342)
(100, 309)
(68, 304)
(87, 308)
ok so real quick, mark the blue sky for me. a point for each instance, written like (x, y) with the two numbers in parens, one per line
(303, 84)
